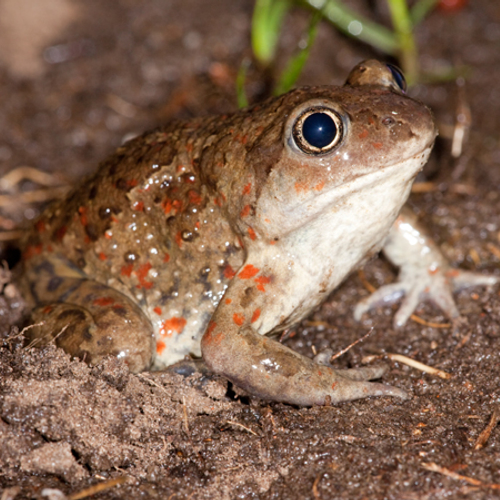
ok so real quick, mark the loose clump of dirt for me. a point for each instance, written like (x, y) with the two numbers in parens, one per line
(111, 70)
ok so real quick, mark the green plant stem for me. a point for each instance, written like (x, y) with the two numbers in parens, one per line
(266, 28)
(355, 25)
(403, 28)
(421, 9)
(294, 67)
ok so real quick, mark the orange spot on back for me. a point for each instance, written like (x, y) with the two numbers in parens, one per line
(104, 301)
(83, 216)
(247, 189)
(102, 256)
(194, 197)
(157, 310)
(138, 205)
(169, 326)
(255, 315)
(141, 274)
(246, 211)
(229, 272)
(363, 134)
(160, 347)
(261, 281)
(248, 272)
(166, 258)
(301, 186)
(377, 145)
(228, 301)
(178, 239)
(127, 270)
(319, 186)
(251, 233)
(239, 319)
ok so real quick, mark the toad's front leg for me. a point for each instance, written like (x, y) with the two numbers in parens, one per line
(233, 347)
(424, 274)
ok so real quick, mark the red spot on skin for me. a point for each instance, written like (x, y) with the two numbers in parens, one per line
(334, 385)
(189, 147)
(209, 338)
(102, 256)
(272, 242)
(157, 310)
(246, 211)
(211, 327)
(166, 258)
(371, 121)
(127, 270)
(197, 225)
(83, 216)
(377, 145)
(138, 205)
(229, 272)
(61, 232)
(319, 186)
(132, 182)
(433, 271)
(114, 219)
(104, 301)
(239, 319)
(228, 301)
(363, 134)
(255, 315)
(141, 274)
(169, 326)
(40, 226)
(251, 233)
(247, 189)
(86, 240)
(194, 197)
(160, 347)
(178, 239)
(108, 235)
(301, 186)
(32, 250)
(267, 221)
(47, 309)
(169, 206)
(261, 281)
(452, 273)
(248, 272)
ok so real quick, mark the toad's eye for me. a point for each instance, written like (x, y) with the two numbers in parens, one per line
(317, 130)
(398, 76)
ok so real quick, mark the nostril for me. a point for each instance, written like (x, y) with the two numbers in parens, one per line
(388, 121)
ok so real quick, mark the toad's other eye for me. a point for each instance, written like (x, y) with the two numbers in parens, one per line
(398, 76)
(317, 131)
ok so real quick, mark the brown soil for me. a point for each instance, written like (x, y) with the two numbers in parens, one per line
(107, 69)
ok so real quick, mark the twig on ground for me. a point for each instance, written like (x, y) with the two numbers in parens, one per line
(485, 434)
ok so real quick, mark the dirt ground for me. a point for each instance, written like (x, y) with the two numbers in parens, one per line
(76, 78)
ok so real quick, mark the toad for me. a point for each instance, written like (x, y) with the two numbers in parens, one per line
(205, 237)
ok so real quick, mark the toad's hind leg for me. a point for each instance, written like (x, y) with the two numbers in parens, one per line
(90, 320)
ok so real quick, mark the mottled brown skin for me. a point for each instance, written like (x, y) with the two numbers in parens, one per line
(221, 230)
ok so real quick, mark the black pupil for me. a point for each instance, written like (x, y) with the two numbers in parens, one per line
(319, 130)
(398, 76)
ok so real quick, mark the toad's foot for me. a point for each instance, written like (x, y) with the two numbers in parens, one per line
(422, 286)
(424, 274)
